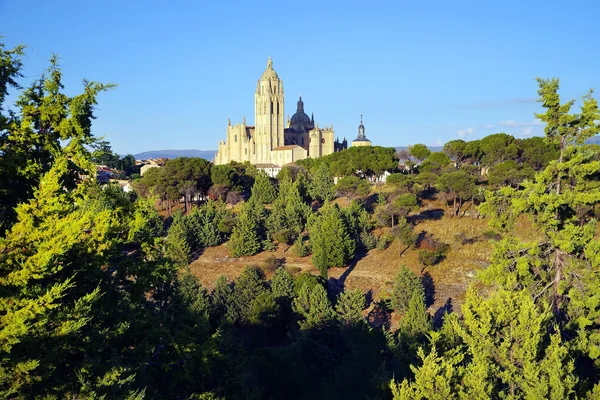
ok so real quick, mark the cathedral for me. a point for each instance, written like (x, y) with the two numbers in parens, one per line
(270, 141)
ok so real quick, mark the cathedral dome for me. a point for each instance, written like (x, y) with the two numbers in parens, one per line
(300, 118)
(270, 72)
(361, 133)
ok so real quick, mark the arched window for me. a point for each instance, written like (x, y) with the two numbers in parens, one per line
(235, 138)
(323, 140)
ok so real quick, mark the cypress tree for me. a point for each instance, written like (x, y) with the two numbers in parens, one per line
(263, 190)
(332, 245)
(312, 304)
(349, 307)
(282, 284)
(406, 284)
(248, 234)
(176, 245)
(321, 184)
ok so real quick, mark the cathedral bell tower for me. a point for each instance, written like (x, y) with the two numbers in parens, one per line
(268, 115)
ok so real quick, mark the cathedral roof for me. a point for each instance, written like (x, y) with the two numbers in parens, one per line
(286, 147)
(270, 72)
(361, 133)
(300, 118)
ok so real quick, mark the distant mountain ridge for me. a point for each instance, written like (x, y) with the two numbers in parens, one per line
(206, 154)
(210, 154)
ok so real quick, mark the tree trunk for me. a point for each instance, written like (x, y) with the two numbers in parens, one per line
(558, 274)
(454, 215)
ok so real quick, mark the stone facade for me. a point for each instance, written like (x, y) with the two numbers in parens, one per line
(269, 142)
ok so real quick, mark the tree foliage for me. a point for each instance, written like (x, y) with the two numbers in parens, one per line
(332, 244)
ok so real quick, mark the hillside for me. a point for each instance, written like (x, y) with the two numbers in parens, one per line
(374, 272)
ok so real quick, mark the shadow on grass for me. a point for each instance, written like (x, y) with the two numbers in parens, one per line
(337, 286)
(438, 317)
(429, 288)
(428, 215)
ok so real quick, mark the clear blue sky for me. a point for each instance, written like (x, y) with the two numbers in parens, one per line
(419, 71)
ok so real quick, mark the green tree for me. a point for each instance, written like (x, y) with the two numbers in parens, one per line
(497, 148)
(314, 306)
(127, 164)
(223, 175)
(351, 187)
(249, 233)
(401, 181)
(332, 245)
(176, 245)
(405, 233)
(566, 248)
(459, 186)
(509, 173)
(103, 154)
(402, 205)
(288, 214)
(282, 284)
(419, 151)
(264, 190)
(321, 184)
(435, 379)
(416, 322)
(455, 149)
(436, 163)
(537, 152)
(32, 138)
(265, 310)
(406, 284)
(349, 307)
(206, 225)
(248, 287)
(221, 307)
(473, 152)
(507, 336)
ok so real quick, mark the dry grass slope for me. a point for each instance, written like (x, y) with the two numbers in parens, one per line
(469, 252)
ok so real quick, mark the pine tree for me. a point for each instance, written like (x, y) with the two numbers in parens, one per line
(312, 304)
(176, 243)
(561, 267)
(248, 234)
(406, 284)
(282, 284)
(221, 302)
(321, 184)
(288, 214)
(416, 322)
(511, 349)
(32, 140)
(349, 308)
(263, 190)
(332, 245)
(248, 287)
(435, 379)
